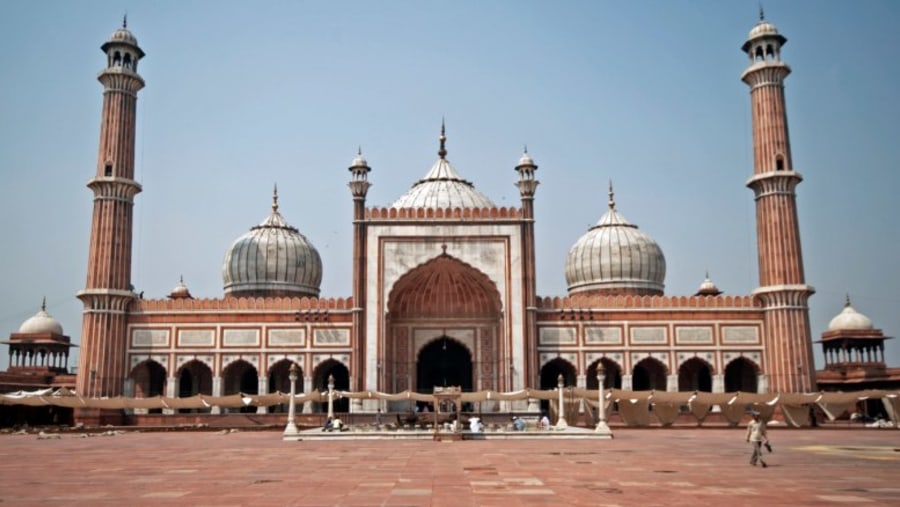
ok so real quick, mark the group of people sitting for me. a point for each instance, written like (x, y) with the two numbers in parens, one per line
(475, 423)
(334, 424)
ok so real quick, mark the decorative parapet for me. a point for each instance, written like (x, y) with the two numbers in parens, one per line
(647, 302)
(474, 214)
(248, 304)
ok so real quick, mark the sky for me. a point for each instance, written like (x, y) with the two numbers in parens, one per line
(243, 95)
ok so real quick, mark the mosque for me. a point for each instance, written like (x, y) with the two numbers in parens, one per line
(444, 288)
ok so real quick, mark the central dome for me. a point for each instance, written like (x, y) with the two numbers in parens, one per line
(614, 257)
(272, 260)
(443, 188)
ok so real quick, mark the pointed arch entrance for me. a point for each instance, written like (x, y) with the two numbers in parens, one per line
(695, 374)
(649, 375)
(241, 377)
(444, 323)
(194, 377)
(443, 362)
(741, 375)
(341, 376)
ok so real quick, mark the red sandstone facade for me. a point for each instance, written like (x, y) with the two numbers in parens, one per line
(446, 294)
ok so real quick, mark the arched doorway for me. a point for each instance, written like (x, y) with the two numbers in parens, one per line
(442, 363)
(612, 375)
(649, 375)
(241, 377)
(695, 374)
(444, 302)
(341, 383)
(550, 373)
(280, 381)
(149, 380)
(741, 375)
(194, 378)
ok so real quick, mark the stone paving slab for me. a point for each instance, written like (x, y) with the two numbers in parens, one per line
(646, 467)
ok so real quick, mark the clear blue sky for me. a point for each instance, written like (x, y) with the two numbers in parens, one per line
(241, 95)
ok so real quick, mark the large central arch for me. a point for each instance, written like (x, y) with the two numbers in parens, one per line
(442, 363)
(444, 311)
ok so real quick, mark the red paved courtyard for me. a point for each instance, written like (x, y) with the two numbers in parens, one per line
(639, 467)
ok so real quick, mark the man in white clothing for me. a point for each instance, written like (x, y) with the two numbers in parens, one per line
(756, 435)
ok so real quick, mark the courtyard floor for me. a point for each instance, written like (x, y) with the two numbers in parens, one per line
(642, 467)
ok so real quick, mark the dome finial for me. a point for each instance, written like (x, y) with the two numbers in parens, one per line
(125, 20)
(181, 279)
(359, 150)
(762, 15)
(443, 139)
(612, 200)
(526, 149)
(44, 304)
(847, 302)
(275, 199)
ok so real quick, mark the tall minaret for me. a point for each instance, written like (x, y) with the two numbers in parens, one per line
(108, 291)
(359, 187)
(527, 186)
(783, 290)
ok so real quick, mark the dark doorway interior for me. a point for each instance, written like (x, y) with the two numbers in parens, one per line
(443, 362)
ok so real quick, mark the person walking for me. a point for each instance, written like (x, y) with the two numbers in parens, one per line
(756, 435)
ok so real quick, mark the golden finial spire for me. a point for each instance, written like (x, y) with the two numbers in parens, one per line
(443, 139)
(612, 200)
(275, 199)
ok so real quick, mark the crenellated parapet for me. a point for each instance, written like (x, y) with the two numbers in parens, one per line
(605, 302)
(301, 304)
(473, 214)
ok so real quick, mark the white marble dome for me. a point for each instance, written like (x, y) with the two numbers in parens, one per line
(272, 260)
(850, 319)
(443, 187)
(614, 257)
(41, 323)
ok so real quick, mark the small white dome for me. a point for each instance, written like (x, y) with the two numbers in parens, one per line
(123, 35)
(850, 319)
(41, 323)
(359, 161)
(762, 28)
(708, 288)
(180, 291)
(526, 159)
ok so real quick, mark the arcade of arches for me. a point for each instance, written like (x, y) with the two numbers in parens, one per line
(239, 377)
(650, 374)
(441, 361)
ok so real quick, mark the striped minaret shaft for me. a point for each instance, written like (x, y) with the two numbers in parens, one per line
(788, 361)
(527, 185)
(108, 291)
